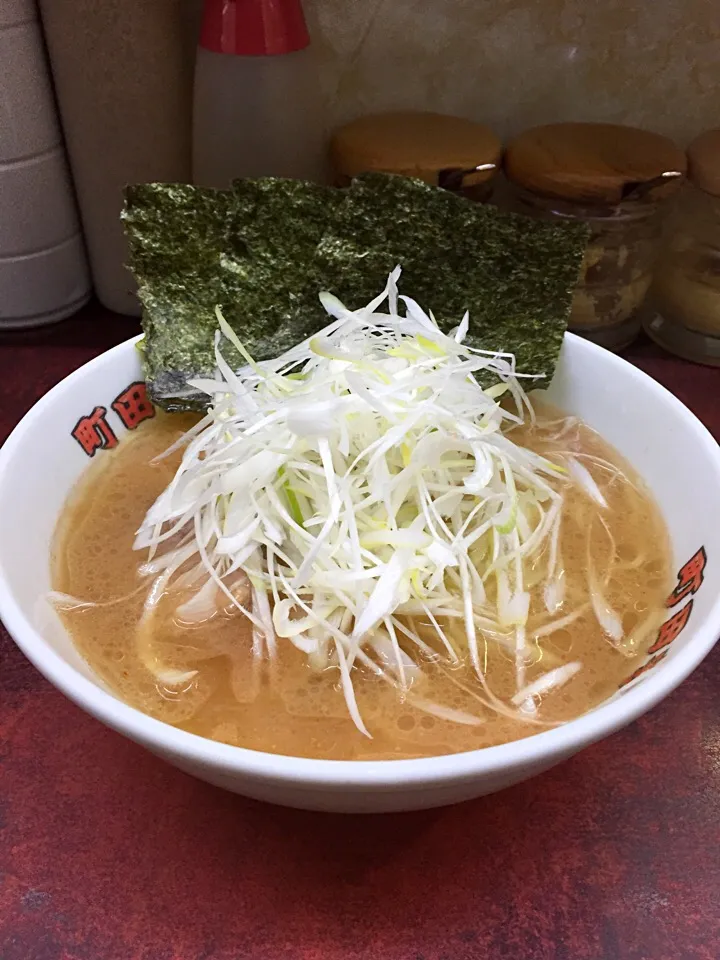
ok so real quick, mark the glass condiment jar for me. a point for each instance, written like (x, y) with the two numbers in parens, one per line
(444, 151)
(615, 179)
(686, 287)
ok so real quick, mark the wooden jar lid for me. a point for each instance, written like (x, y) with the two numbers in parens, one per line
(418, 145)
(594, 162)
(704, 162)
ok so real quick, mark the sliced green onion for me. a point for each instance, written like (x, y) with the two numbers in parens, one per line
(360, 479)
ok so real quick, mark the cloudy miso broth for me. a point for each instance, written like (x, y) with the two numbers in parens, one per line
(283, 705)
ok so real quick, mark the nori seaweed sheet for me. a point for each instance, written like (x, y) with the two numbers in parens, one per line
(247, 251)
(264, 250)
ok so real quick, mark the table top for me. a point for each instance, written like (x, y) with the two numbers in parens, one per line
(107, 853)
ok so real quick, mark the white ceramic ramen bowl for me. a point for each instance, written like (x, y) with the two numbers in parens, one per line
(676, 455)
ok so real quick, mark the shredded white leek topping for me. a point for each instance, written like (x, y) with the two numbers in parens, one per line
(363, 482)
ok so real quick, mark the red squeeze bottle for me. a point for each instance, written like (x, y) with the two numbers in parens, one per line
(258, 109)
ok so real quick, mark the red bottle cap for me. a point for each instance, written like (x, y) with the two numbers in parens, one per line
(253, 28)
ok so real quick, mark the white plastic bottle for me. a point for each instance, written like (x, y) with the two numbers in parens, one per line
(43, 273)
(124, 87)
(257, 105)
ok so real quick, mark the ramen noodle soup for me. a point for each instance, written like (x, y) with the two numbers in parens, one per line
(371, 546)
(196, 665)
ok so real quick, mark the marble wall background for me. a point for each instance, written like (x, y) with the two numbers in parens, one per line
(515, 63)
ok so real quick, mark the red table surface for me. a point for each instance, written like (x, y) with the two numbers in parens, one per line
(106, 853)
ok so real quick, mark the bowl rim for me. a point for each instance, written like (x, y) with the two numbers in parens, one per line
(541, 749)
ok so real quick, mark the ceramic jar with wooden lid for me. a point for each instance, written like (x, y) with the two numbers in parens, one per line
(615, 179)
(443, 151)
(686, 287)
